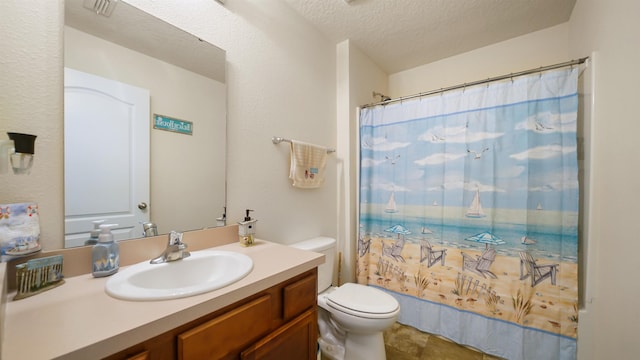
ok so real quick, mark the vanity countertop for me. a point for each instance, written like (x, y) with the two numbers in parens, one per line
(78, 320)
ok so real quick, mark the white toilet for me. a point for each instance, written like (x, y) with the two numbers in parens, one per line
(352, 313)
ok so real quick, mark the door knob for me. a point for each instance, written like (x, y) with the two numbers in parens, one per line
(142, 205)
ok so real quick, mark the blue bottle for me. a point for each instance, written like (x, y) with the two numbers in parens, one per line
(105, 255)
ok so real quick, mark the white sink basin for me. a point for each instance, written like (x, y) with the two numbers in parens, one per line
(203, 271)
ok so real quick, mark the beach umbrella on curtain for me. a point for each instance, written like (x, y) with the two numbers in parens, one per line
(486, 238)
(398, 229)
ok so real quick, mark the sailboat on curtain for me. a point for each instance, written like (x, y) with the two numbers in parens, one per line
(426, 230)
(475, 209)
(391, 204)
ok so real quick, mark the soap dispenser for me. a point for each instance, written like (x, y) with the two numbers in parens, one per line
(247, 230)
(95, 232)
(105, 254)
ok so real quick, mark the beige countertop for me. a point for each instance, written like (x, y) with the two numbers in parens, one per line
(78, 320)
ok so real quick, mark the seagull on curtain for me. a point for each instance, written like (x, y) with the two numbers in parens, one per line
(477, 155)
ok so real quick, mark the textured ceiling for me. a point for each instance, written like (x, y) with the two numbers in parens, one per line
(402, 34)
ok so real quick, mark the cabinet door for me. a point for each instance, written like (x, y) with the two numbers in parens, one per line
(296, 339)
(224, 336)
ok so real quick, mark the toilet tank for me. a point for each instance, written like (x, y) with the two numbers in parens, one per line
(326, 246)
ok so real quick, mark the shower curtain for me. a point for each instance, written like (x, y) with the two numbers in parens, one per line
(469, 213)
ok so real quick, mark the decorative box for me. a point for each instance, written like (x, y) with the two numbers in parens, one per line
(19, 230)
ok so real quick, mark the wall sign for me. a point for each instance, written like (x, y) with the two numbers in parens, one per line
(162, 122)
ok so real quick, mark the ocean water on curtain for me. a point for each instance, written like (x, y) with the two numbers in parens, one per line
(563, 242)
(469, 213)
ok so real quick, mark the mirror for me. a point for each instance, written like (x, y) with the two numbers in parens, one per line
(185, 80)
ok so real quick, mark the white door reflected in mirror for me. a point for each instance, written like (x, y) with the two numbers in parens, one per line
(106, 145)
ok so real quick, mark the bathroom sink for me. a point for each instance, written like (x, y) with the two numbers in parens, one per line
(203, 271)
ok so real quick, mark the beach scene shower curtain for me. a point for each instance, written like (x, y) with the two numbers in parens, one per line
(469, 213)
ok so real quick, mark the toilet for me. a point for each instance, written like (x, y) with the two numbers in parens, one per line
(351, 317)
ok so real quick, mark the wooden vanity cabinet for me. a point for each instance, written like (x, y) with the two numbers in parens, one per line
(277, 323)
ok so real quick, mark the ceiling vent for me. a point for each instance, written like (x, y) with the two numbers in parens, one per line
(101, 7)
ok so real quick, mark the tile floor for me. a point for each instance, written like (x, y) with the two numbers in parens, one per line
(406, 343)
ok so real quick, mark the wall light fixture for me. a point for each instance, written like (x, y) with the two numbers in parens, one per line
(20, 150)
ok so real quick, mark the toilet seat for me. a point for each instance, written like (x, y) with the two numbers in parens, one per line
(363, 301)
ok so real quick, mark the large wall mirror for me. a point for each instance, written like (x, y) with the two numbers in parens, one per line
(170, 170)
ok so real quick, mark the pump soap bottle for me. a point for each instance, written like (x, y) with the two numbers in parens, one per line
(95, 232)
(105, 254)
(247, 230)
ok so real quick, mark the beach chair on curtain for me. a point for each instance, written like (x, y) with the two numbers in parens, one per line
(432, 256)
(363, 246)
(480, 264)
(394, 250)
(537, 272)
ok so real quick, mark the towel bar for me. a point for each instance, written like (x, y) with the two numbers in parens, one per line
(278, 140)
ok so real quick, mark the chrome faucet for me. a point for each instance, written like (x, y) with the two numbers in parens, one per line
(149, 229)
(176, 250)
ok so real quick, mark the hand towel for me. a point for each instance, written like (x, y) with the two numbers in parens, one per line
(307, 164)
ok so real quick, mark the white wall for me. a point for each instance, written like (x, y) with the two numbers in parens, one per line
(31, 102)
(357, 78)
(608, 327)
(281, 81)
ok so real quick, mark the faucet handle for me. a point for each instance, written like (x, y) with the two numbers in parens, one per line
(175, 238)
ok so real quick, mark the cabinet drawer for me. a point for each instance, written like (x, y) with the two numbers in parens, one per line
(299, 296)
(227, 334)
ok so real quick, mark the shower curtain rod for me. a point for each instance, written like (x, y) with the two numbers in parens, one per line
(497, 78)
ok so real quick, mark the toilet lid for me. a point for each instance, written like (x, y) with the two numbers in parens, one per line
(363, 301)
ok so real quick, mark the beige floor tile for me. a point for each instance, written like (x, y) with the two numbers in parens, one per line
(407, 343)
(393, 354)
(406, 340)
(441, 349)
